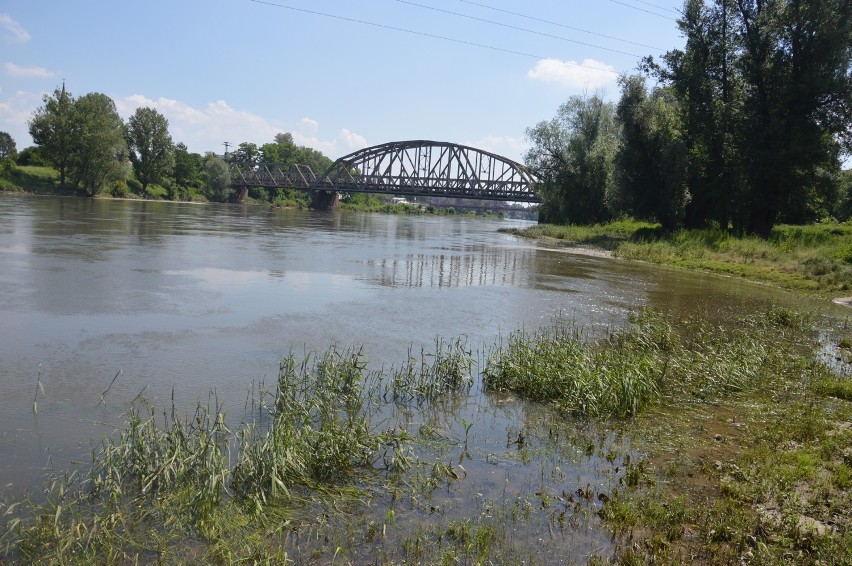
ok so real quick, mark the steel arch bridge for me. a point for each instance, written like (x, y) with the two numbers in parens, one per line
(410, 168)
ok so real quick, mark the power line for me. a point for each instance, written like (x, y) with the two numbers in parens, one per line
(657, 6)
(425, 34)
(535, 19)
(643, 10)
(517, 28)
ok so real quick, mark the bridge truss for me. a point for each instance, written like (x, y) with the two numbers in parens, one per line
(410, 168)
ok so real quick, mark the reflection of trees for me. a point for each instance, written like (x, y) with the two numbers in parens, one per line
(483, 266)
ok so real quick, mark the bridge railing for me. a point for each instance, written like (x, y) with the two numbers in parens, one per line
(273, 175)
(409, 168)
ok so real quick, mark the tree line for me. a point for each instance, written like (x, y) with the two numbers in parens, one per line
(743, 128)
(94, 150)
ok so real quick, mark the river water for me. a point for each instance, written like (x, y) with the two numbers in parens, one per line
(186, 299)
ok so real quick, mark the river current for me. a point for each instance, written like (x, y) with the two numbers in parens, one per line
(181, 300)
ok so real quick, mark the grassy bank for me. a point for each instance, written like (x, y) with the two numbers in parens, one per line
(813, 259)
(692, 441)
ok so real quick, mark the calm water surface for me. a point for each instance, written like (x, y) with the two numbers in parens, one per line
(186, 299)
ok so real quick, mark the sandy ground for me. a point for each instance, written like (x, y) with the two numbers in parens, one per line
(575, 249)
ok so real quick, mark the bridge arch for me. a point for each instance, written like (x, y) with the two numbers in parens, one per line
(430, 168)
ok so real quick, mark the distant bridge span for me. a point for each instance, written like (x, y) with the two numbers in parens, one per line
(410, 168)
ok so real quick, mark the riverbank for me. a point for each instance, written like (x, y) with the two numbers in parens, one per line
(814, 259)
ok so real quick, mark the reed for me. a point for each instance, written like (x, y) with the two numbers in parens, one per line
(445, 370)
(617, 377)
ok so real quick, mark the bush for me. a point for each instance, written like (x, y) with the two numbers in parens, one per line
(134, 186)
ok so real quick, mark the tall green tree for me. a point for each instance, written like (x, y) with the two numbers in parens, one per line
(7, 146)
(709, 91)
(150, 145)
(51, 128)
(572, 156)
(100, 153)
(218, 177)
(765, 93)
(188, 167)
(246, 154)
(651, 163)
(796, 58)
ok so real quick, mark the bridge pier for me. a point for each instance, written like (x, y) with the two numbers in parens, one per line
(240, 195)
(325, 200)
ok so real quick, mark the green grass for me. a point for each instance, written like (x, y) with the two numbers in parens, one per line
(812, 259)
(31, 179)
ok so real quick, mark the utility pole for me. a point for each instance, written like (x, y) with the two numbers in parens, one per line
(227, 145)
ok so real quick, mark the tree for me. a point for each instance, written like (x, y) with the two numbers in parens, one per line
(32, 155)
(709, 91)
(765, 95)
(572, 155)
(51, 129)
(796, 59)
(218, 177)
(187, 167)
(651, 162)
(7, 146)
(150, 145)
(246, 154)
(100, 151)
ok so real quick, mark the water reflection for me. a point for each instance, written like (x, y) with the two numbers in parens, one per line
(477, 268)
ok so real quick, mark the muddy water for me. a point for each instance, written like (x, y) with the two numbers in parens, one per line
(187, 299)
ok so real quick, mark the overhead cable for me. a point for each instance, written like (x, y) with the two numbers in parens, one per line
(430, 35)
(642, 10)
(517, 28)
(535, 19)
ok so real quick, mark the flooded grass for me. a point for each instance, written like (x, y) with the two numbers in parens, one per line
(815, 258)
(666, 442)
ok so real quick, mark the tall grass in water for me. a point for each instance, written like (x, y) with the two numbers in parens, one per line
(446, 370)
(637, 366)
(320, 430)
(147, 460)
(617, 377)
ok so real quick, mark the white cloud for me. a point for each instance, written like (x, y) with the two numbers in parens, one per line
(586, 75)
(206, 129)
(14, 28)
(347, 141)
(507, 146)
(15, 111)
(35, 72)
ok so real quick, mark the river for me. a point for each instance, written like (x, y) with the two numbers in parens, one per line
(186, 299)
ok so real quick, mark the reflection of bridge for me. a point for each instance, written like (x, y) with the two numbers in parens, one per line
(410, 168)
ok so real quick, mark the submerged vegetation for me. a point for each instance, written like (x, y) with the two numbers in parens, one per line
(816, 258)
(668, 441)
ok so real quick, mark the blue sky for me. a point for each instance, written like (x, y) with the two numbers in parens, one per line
(339, 75)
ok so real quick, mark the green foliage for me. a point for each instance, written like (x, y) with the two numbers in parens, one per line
(245, 154)
(218, 178)
(188, 168)
(8, 150)
(746, 130)
(99, 155)
(614, 378)
(766, 99)
(150, 145)
(32, 155)
(805, 258)
(842, 210)
(51, 128)
(572, 155)
(651, 161)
